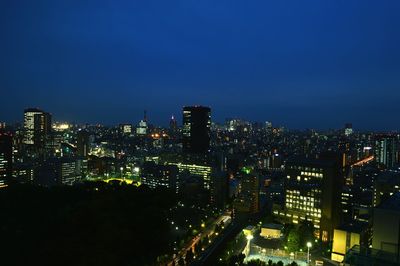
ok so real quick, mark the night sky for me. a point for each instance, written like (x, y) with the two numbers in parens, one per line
(301, 64)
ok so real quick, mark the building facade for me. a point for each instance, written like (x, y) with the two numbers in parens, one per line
(196, 129)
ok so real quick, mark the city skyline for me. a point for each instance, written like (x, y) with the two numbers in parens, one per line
(301, 66)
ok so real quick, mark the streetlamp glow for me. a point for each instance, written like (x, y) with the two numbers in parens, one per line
(248, 246)
(309, 245)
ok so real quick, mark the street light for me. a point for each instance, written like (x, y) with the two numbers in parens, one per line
(248, 246)
(309, 245)
(250, 237)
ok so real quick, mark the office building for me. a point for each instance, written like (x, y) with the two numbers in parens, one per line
(386, 184)
(348, 129)
(6, 158)
(387, 151)
(248, 198)
(347, 236)
(386, 225)
(125, 129)
(37, 127)
(155, 175)
(196, 129)
(312, 193)
(59, 171)
(143, 127)
(29, 125)
(82, 143)
(201, 172)
(173, 125)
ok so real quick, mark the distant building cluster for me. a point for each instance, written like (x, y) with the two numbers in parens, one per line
(344, 182)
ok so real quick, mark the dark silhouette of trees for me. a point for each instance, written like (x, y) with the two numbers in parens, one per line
(87, 224)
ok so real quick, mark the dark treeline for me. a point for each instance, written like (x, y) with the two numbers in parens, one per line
(87, 224)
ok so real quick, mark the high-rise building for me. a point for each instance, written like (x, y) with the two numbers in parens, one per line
(348, 129)
(29, 125)
(59, 171)
(312, 193)
(82, 143)
(125, 129)
(387, 150)
(386, 226)
(5, 158)
(155, 175)
(196, 129)
(143, 127)
(37, 126)
(248, 199)
(173, 125)
(203, 172)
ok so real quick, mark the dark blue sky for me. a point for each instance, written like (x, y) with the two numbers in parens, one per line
(297, 63)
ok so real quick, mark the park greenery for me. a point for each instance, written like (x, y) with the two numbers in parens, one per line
(297, 236)
(88, 224)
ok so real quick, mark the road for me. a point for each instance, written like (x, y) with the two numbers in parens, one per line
(208, 231)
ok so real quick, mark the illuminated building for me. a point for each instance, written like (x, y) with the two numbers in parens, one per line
(219, 188)
(386, 184)
(387, 151)
(125, 129)
(312, 193)
(385, 240)
(29, 124)
(24, 172)
(142, 129)
(348, 129)
(248, 199)
(268, 127)
(196, 129)
(272, 231)
(386, 226)
(201, 171)
(347, 236)
(5, 158)
(154, 175)
(37, 126)
(173, 125)
(59, 171)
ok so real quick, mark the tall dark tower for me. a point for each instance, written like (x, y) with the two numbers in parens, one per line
(173, 125)
(37, 127)
(196, 129)
(82, 143)
(5, 157)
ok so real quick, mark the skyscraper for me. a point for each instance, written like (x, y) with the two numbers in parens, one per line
(82, 143)
(387, 150)
(196, 129)
(142, 129)
(37, 126)
(348, 129)
(29, 125)
(5, 157)
(173, 125)
(312, 193)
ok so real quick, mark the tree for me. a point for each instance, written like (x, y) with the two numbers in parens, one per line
(306, 232)
(293, 241)
(256, 263)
